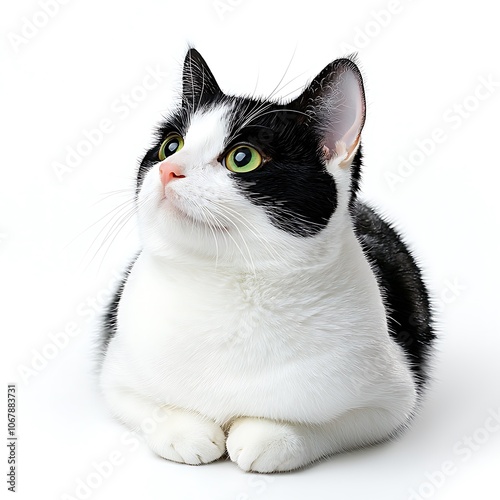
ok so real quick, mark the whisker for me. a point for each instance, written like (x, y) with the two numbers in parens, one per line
(249, 262)
(283, 77)
(96, 222)
(109, 194)
(254, 230)
(122, 224)
(117, 232)
(116, 226)
(203, 213)
(118, 212)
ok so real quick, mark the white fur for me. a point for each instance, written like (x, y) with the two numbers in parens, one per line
(227, 323)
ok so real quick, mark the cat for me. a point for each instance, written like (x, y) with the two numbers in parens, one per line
(269, 315)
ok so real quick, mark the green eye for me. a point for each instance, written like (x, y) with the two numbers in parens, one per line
(173, 143)
(242, 159)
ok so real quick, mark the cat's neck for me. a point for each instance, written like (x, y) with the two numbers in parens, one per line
(329, 254)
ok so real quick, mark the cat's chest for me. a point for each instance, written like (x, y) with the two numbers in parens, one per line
(237, 342)
(164, 313)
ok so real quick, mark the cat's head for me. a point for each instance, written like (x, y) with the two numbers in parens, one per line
(248, 182)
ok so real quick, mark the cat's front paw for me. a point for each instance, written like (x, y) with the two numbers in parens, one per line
(187, 438)
(262, 445)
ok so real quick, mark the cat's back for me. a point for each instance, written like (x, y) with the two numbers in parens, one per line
(405, 295)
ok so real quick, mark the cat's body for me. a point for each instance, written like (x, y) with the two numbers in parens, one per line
(280, 324)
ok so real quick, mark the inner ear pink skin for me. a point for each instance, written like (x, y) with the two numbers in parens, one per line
(327, 153)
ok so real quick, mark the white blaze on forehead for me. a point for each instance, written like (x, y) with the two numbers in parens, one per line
(204, 140)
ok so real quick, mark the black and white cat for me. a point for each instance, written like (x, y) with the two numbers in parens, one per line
(269, 312)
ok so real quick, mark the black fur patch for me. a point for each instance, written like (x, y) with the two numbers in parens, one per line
(403, 290)
(293, 185)
(299, 195)
(110, 317)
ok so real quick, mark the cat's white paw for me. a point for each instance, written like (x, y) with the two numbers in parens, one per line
(263, 445)
(187, 438)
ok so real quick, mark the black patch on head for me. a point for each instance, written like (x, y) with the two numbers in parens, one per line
(293, 186)
(299, 195)
(200, 91)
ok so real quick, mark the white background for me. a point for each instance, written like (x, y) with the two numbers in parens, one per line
(60, 245)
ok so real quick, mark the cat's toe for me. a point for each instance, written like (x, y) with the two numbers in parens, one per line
(263, 445)
(187, 439)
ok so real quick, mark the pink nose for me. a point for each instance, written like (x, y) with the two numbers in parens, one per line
(169, 171)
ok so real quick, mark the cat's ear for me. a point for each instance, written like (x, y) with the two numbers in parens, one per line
(335, 102)
(198, 83)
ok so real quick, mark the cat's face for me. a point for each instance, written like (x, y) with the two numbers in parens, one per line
(247, 182)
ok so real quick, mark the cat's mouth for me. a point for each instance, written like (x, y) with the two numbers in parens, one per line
(184, 217)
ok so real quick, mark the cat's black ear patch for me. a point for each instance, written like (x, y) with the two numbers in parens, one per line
(335, 101)
(199, 86)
